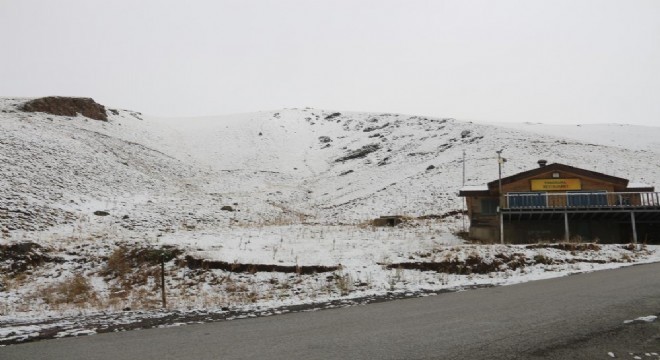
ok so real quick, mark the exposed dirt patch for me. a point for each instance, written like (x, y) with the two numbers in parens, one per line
(389, 220)
(20, 257)
(567, 246)
(443, 216)
(194, 263)
(475, 264)
(67, 106)
(471, 265)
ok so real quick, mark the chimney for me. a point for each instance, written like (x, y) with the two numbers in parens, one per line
(542, 163)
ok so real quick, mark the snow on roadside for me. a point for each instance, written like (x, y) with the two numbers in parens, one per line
(367, 263)
(642, 319)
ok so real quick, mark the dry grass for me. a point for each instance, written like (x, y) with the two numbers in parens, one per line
(567, 246)
(9, 282)
(133, 274)
(76, 290)
(119, 262)
(344, 283)
(135, 266)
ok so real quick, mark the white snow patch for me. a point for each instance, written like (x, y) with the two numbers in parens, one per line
(648, 319)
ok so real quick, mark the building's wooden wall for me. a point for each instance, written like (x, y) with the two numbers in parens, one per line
(485, 227)
(588, 184)
(482, 227)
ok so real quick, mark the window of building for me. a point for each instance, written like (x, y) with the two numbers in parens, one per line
(527, 199)
(587, 198)
(489, 206)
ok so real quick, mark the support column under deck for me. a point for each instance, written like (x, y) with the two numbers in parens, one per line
(501, 228)
(634, 226)
(567, 234)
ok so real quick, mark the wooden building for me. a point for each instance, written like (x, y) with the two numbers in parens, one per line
(558, 202)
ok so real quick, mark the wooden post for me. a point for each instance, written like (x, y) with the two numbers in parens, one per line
(634, 228)
(162, 279)
(567, 234)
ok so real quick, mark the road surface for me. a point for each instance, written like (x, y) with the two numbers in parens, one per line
(578, 316)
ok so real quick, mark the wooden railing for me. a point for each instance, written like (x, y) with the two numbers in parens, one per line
(603, 199)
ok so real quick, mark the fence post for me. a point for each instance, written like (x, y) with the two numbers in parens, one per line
(162, 279)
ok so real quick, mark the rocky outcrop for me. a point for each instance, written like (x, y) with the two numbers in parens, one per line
(67, 106)
(359, 153)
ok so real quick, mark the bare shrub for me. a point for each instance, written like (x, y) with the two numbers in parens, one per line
(252, 296)
(542, 259)
(142, 298)
(344, 283)
(9, 282)
(135, 266)
(119, 262)
(75, 290)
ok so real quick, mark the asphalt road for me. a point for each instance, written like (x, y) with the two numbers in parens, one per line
(542, 319)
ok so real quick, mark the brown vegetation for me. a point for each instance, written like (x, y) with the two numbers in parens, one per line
(67, 106)
(473, 264)
(17, 258)
(132, 268)
(567, 246)
(194, 263)
(75, 290)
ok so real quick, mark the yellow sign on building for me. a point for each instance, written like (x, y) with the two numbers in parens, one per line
(556, 184)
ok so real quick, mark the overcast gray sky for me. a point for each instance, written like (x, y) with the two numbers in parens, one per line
(554, 61)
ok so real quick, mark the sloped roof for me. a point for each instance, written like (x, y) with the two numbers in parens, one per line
(640, 187)
(473, 190)
(558, 167)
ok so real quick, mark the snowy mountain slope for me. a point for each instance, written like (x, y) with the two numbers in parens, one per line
(305, 144)
(58, 169)
(288, 165)
(90, 205)
(625, 136)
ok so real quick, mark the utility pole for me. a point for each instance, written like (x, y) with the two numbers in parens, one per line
(500, 161)
(463, 167)
(464, 198)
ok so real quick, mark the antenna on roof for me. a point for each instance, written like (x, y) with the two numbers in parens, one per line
(463, 167)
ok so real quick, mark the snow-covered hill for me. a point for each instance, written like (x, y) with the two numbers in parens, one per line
(304, 165)
(261, 210)
(634, 137)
